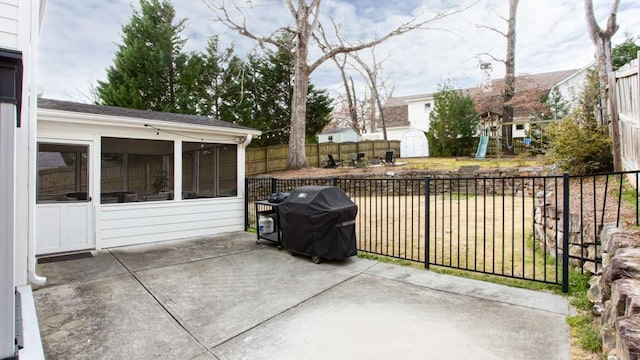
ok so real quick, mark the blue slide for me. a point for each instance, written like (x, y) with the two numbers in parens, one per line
(481, 154)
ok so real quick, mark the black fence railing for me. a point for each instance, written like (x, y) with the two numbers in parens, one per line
(514, 227)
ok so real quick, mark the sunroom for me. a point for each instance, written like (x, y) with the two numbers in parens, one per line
(109, 176)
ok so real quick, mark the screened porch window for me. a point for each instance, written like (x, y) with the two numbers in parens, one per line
(62, 173)
(134, 170)
(209, 170)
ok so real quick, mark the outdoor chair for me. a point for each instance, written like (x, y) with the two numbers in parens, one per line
(358, 160)
(389, 159)
(332, 163)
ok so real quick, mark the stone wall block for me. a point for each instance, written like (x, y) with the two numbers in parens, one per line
(615, 239)
(628, 338)
(625, 264)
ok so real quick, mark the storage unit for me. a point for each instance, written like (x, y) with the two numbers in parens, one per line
(268, 222)
(318, 221)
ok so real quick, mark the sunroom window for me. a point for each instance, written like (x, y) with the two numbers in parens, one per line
(134, 170)
(209, 170)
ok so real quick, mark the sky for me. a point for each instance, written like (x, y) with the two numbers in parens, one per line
(79, 39)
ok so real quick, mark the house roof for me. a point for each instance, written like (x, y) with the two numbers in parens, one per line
(135, 113)
(336, 131)
(526, 102)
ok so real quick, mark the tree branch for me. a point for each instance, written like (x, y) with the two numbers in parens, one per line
(223, 16)
(406, 27)
(480, 26)
(492, 57)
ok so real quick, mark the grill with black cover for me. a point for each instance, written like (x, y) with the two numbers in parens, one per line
(319, 221)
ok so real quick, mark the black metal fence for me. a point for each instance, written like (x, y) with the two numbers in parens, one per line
(514, 227)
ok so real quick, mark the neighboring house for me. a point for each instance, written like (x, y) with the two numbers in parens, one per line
(527, 101)
(339, 136)
(407, 118)
(133, 176)
(19, 33)
(571, 87)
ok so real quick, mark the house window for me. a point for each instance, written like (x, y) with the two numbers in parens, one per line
(209, 170)
(62, 173)
(519, 126)
(134, 170)
(427, 106)
(330, 138)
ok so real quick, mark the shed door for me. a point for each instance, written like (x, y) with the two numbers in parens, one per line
(63, 210)
(414, 144)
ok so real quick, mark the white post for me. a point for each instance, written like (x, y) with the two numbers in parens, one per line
(177, 170)
(7, 230)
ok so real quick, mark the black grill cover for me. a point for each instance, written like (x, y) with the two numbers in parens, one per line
(319, 221)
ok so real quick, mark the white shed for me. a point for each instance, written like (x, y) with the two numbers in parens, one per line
(339, 136)
(132, 176)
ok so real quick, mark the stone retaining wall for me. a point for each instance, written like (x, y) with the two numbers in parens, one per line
(615, 293)
(548, 223)
(467, 179)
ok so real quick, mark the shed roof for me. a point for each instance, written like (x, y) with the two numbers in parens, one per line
(135, 113)
(337, 131)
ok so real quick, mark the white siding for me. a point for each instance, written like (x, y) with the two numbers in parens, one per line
(9, 24)
(571, 88)
(127, 224)
(419, 113)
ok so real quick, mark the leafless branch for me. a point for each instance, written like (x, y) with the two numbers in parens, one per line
(223, 17)
(413, 24)
(492, 57)
(480, 26)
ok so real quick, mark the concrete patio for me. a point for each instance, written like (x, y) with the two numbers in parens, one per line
(230, 298)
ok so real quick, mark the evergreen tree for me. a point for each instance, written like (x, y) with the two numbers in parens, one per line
(150, 71)
(579, 144)
(453, 123)
(623, 53)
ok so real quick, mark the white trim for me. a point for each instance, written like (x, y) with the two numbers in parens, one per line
(72, 117)
(30, 329)
(591, 64)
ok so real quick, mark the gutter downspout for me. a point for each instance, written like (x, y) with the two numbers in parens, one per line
(34, 278)
(246, 142)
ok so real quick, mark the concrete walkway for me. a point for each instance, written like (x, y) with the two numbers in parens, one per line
(230, 298)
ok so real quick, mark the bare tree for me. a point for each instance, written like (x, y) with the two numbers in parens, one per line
(371, 74)
(509, 74)
(306, 15)
(602, 40)
(350, 93)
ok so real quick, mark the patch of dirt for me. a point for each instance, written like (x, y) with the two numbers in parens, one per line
(314, 172)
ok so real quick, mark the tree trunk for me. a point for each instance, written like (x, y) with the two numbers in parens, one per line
(297, 151)
(602, 40)
(509, 80)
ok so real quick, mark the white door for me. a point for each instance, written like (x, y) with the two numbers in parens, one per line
(414, 144)
(64, 220)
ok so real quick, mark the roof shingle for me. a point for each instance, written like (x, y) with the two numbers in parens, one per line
(135, 113)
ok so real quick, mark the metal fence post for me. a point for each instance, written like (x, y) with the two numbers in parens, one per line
(565, 234)
(335, 181)
(273, 185)
(427, 225)
(246, 203)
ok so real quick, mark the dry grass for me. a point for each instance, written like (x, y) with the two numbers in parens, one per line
(408, 164)
(485, 234)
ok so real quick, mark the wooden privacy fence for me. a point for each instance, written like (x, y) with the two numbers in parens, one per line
(274, 158)
(627, 101)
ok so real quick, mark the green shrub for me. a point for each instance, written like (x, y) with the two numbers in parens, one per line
(580, 149)
(578, 144)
